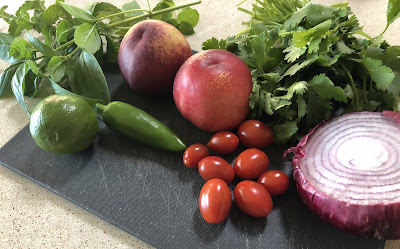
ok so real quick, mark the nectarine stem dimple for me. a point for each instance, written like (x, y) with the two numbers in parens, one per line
(158, 12)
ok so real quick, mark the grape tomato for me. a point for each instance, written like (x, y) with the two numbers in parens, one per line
(216, 167)
(193, 155)
(275, 182)
(252, 198)
(223, 142)
(251, 163)
(215, 201)
(255, 134)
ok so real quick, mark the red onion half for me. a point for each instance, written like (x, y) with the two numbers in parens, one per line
(347, 171)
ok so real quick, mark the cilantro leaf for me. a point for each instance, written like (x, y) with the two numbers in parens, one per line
(284, 132)
(293, 53)
(213, 43)
(380, 74)
(297, 67)
(342, 48)
(317, 14)
(318, 109)
(393, 11)
(301, 106)
(301, 38)
(325, 88)
(295, 18)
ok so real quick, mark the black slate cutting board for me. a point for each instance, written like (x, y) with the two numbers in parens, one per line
(150, 194)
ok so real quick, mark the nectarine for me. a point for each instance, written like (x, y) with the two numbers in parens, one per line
(212, 89)
(150, 54)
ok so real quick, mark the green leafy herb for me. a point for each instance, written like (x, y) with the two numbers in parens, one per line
(76, 42)
(309, 62)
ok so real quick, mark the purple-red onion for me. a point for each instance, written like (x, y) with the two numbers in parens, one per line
(347, 171)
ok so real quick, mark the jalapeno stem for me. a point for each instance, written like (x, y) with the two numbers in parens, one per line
(100, 110)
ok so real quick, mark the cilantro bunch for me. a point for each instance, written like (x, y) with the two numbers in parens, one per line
(310, 62)
(76, 43)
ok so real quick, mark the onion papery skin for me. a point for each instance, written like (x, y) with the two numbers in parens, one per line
(373, 217)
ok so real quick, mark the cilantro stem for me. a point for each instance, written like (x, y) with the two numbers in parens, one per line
(361, 32)
(158, 12)
(365, 88)
(353, 85)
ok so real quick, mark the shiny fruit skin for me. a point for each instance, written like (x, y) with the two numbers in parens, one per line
(216, 167)
(252, 198)
(212, 90)
(251, 163)
(255, 134)
(215, 201)
(223, 142)
(63, 124)
(150, 55)
(194, 154)
(275, 182)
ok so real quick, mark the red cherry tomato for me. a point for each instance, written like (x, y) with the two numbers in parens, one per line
(223, 142)
(193, 155)
(252, 198)
(216, 167)
(274, 181)
(251, 163)
(255, 134)
(215, 201)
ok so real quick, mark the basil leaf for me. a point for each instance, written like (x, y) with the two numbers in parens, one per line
(87, 37)
(189, 15)
(38, 69)
(31, 84)
(21, 49)
(41, 47)
(59, 90)
(104, 9)
(186, 28)
(163, 5)
(57, 68)
(5, 80)
(78, 13)
(64, 31)
(88, 79)
(133, 5)
(5, 45)
(18, 84)
(393, 11)
(112, 50)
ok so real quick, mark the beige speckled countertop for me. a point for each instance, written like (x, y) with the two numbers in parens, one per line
(32, 217)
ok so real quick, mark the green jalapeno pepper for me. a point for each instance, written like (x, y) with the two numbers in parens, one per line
(139, 126)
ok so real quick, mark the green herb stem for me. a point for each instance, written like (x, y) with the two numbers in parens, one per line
(353, 86)
(158, 12)
(65, 45)
(361, 32)
(365, 88)
(122, 12)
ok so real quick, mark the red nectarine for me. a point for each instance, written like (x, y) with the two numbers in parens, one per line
(150, 54)
(212, 89)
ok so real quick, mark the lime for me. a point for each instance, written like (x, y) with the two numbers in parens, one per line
(63, 124)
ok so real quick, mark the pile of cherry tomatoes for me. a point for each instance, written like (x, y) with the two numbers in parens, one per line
(252, 197)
